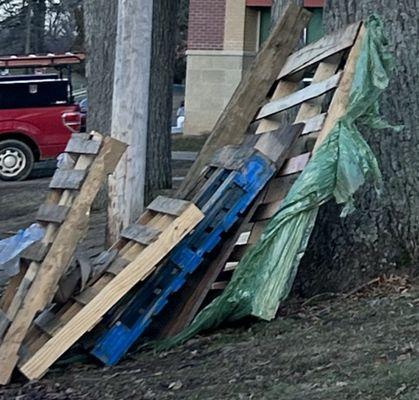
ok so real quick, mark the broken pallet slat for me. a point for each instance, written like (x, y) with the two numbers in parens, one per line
(224, 201)
(168, 206)
(252, 91)
(67, 179)
(52, 213)
(268, 202)
(320, 50)
(19, 285)
(89, 315)
(310, 92)
(142, 234)
(82, 146)
(55, 263)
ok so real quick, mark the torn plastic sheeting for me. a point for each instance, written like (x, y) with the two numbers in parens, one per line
(264, 276)
(11, 247)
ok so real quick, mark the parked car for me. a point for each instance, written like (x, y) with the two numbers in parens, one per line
(37, 117)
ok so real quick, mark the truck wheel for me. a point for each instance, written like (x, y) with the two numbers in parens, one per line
(16, 160)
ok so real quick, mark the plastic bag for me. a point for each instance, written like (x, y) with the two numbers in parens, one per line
(264, 276)
(11, 247)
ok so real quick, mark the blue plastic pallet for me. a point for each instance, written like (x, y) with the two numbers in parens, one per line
(223, 198)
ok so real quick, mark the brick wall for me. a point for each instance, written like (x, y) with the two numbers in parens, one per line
(206, 24)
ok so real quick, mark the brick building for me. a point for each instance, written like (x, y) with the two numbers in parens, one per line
(223, 38)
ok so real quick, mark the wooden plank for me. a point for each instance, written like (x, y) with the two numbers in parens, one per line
(19, 285)
(295, 164)
(117, 266)
(310, 92)
(56, 261)
(36, 251)
(320, 50)
(4, 323)
(283, 88)
(276, 144)
(52, 213)
(166, 205)
(82, 146)
(91, 314)
(83, 136)
(142, 234)
(313, 124)
(231, 157)
(67, 179)
(219, 285)
(339, 103)
(252, 90)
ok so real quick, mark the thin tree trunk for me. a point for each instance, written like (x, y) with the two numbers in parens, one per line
(28, 27)
(382, 235)
(100, 18)
(38, 23)
(158, 168)
(130, 111)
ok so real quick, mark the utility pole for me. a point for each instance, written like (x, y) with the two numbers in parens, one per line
(130, 111)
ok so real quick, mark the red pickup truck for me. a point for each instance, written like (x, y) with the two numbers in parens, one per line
(37, 117)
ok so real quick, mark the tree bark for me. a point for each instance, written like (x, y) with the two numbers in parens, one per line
(38, 23)
(130, 111)
(158, 168)
(100, 18)
(381, 236)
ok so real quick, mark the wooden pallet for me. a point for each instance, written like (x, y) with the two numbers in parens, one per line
(333, 59)
(65, 219)
(236, 176)
(160, 228)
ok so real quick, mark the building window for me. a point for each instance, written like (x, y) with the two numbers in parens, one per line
(264, 24)
(314, 30)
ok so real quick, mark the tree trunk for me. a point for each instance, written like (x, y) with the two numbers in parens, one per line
(381, 236)
(28, 19)
(158, 168)
(130, 111)
(100, 34)
(38, 23)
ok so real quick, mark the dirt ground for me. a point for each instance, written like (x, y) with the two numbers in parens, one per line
(360, 346)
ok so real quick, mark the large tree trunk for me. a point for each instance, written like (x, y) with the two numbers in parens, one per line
(100, 34)
(130, 111)
(158, 168)
(382, 235)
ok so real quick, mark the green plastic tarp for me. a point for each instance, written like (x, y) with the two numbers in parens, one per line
(342, 163)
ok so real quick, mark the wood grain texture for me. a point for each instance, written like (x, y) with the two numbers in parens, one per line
(252, 90)
(168, 205)
(52, 213)
(320, 50)
(67, 179)
(130, 109)
(310, 92)
(142, 234)
(91, 314)
(56, 261)
(82, 146)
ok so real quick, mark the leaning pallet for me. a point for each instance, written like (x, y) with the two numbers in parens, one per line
(333, 59)
(160, 228)
(65, 215)
(251, 92)
(234, 178)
